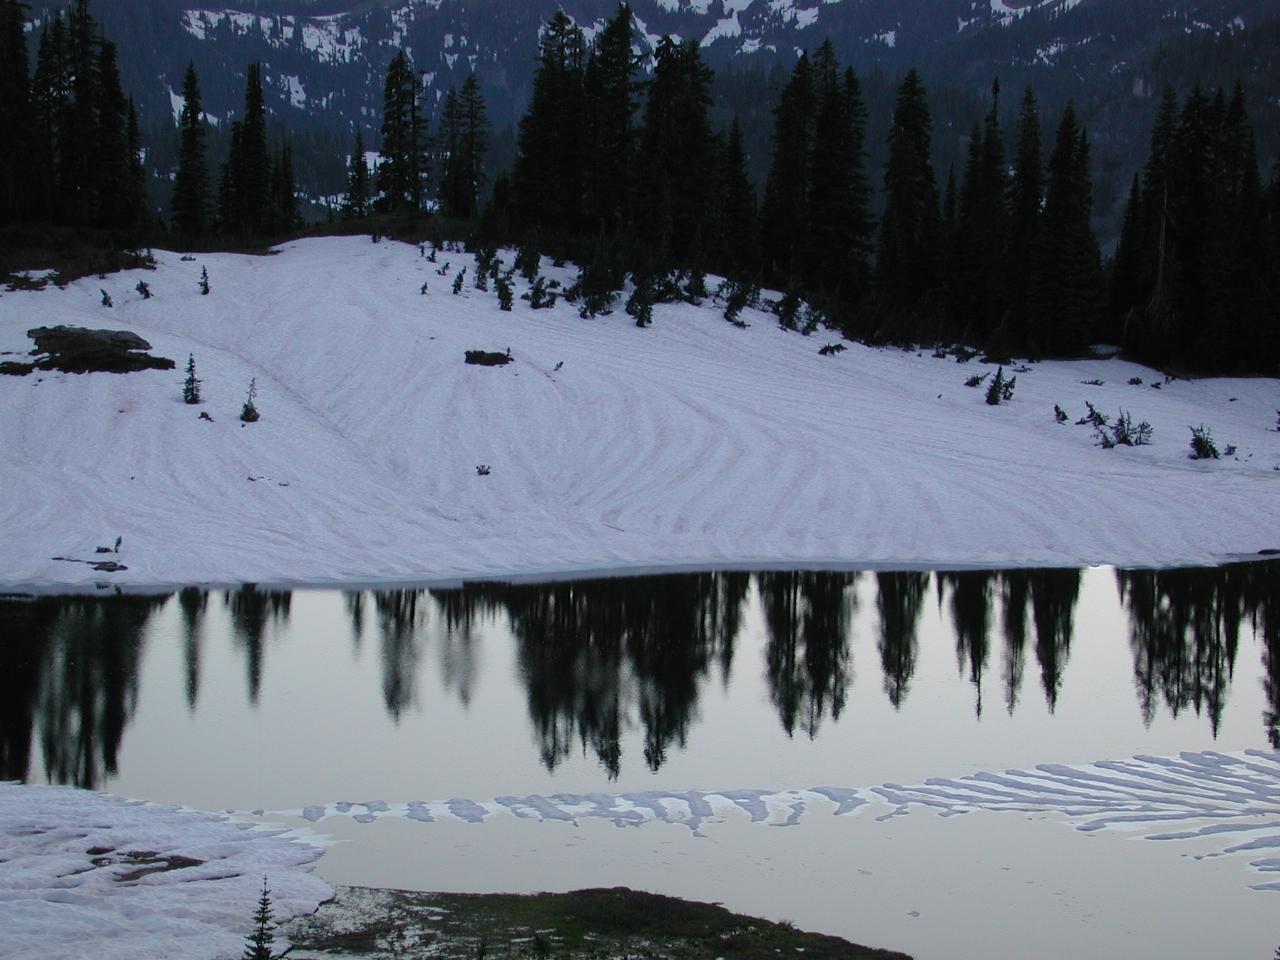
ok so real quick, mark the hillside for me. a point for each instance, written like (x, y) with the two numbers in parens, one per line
(690, 443)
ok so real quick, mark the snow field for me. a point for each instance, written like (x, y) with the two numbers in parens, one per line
(68, 885)
(690, 443)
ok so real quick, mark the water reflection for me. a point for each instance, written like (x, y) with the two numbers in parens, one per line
(599, 659)
(70, 671)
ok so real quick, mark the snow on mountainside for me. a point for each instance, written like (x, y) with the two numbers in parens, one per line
(689, 443)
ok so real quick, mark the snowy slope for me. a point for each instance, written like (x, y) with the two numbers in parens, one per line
(688, 443)
(89, 874)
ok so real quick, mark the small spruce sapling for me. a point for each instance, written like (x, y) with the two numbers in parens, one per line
(144, 289)
(640, 303)
(204, 281)
(505, 294)
(995, 390)
(106, 298)
(191, 386)
(257, 946)
(788, 311)
(540, 296)
(249, 413)
(1059, 414)
(976, 379)
(528, 261)
(1202, 445)
(459, 280)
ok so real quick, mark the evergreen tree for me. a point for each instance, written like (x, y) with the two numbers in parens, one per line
(610, 104)
(784, 211)
(283, 216)
(548, 177)
(1067, 300)
(258, 943)
(1026, 195)
(190, 204)
(678, 154)
(1126, 264)
(401, 167)
(356, 203)
(740, 251)
(907, 257)
(51, 102)
(114, 201)
(463, 138)
(245, 190)
(191, 386)
(838, 238)
(15, 113)
(978, 299)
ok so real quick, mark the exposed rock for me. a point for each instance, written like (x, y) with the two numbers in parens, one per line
(81, 350)
(488, 358)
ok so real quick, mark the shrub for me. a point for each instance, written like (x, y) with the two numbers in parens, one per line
(1202, 445)
(1124, 433)
(976, 379)
(249, 412)
(191, 386)
(1092, 418)
(505, 294)
(739, 295)
(459, 280)
(1059, 414)
(540, 295)
(106, 298)
(144, 288)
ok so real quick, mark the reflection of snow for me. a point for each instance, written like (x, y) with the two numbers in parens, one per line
(87, 874)
(1234, 797)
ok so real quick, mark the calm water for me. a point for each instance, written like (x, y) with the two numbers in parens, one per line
(673, 685)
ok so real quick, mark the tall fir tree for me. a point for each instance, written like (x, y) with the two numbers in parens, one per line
(978, 300)
(357, 202)
(51, 107)
(610, 103)
(1026, 197)
(15, 113)
(246, 182)
(190, 204)
(907, 259)
(678, 152)
(783, 214)
(401, 169)
(839, 231)
(463, 138)
(1067, 300)
(740, 251)
(548, 178)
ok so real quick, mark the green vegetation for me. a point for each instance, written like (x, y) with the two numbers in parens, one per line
(583, 925)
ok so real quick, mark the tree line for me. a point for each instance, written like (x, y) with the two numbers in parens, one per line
(71, 153)
(625, 174)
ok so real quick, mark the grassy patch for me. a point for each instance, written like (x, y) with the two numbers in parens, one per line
(583, 925)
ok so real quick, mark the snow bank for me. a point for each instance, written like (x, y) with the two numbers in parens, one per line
(690, 443)
(88, 874)
(1229, 798)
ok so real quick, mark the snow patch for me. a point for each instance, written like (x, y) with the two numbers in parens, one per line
(88, 874)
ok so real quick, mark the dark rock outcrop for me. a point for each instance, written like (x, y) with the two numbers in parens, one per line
(81, 350)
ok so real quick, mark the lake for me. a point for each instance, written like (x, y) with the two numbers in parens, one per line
(795, 744)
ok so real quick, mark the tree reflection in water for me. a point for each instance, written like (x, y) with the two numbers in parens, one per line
(808, 616)
(602, 657)
(252, 611)
(70, 670)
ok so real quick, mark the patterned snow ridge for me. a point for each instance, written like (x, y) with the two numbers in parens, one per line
(1230, 798)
